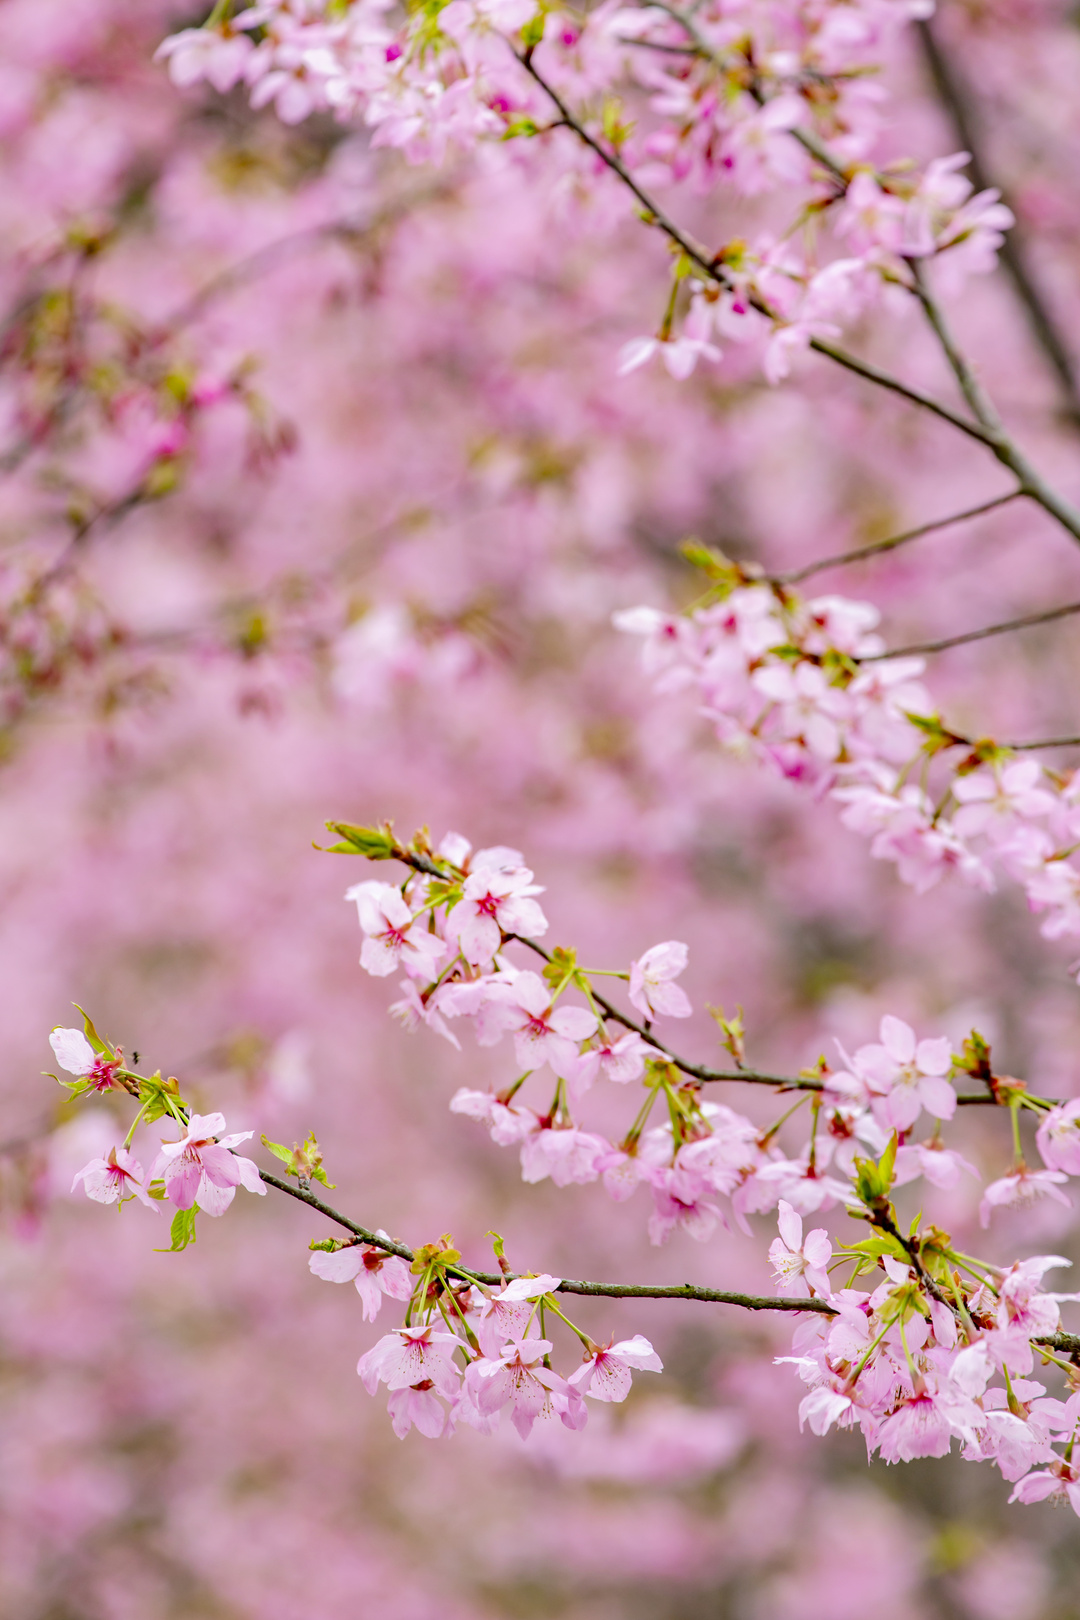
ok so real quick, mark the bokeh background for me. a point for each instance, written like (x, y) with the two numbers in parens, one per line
(318, 491)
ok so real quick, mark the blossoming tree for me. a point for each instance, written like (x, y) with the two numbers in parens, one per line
(739, 197)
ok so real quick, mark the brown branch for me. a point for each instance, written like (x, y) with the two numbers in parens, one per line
(696, 1071)
(795, 575)
(1007, 451)
(1013, 252)
(602, 1290)
(1002, 629)
(1043, 742)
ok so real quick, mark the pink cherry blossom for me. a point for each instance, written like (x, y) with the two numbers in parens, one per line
(1022, 1187)
(1058, 1138)
(200, 1168)
(941, 1166)
(373, 1271)
(543, 1031)
(991, 802)
(652, 989)
(73, 1051)
(412, 1011)
(795, 1259)
(567, 1155)
(620, 1060)
(518, 1376)
(395, 938)
(112, 1180)
(410, 1356)
(418, 1406)
(505, 1316)
(494, 903)
(605, 1372)
(905, 1076)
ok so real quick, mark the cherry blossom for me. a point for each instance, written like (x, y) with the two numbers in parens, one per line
(112, 1180)
(1058, 1138)
(652, 988)
(905, 1076)
(1022, 1187)
(518, 1376)
(543, 1032)
(411, 1356)
(372, 1270)
(395, 938)
(605, 1372)
(494, 903)
(795, 1259)
(202, 1170)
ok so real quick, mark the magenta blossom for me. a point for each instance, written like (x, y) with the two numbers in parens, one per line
(651, 988)
(112, 1180)
(374, 1272)
(605, 1372)
(200, 1168)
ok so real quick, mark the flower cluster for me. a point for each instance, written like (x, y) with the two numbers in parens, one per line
(800, 685)
(452, 926)
(774, 97)
(469, 1350)
(942, 1350)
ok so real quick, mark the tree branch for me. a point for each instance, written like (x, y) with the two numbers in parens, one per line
(795, 575)
(602, 1290)
(1007, 625)
(1013, 252)
(1068, 1342)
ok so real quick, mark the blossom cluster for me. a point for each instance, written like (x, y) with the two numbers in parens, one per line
(475, 1347)
(451, 927)
(774, 97)
(801, 686)
(913, 1363)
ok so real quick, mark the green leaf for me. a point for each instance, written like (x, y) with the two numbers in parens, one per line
(329, 1245)
(92, 1035)
(373, 843)
(182, 1231)
(305, 1163)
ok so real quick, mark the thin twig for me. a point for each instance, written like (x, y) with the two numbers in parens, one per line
(794, 575)
(1006, 450)
(1002, 629)
(1013, 251)
(1043, 742)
